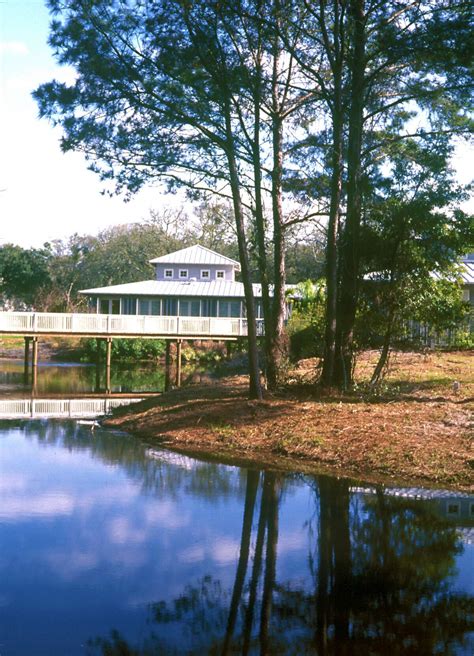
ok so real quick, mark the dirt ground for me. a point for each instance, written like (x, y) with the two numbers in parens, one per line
(417, 427)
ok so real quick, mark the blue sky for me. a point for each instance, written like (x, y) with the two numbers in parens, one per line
(45, 194)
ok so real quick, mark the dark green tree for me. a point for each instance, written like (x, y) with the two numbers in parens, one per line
(24, 276)
(383, 72)
(154, 99)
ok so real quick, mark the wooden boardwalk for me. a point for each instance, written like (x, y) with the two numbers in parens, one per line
(35, 324)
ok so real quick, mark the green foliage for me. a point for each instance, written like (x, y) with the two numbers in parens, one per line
(191, 354)
(124, 349)
(306, 324)
(24, 275)
(410, 242)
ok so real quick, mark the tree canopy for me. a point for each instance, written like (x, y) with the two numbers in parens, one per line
(293, 111)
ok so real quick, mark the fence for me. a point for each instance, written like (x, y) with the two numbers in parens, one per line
(36, 323)
(60, 408)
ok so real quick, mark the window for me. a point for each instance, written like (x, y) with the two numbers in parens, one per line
(235, 309)
(168, 273)
(209, 308)
(453, 509)
(183, 308)
(224, 307)
(104, 306)
(195, 308)
(156, 307)
(183, 273)
(220, 274)
(205, 274)
(143, 307)
(129, 305)
(170, 307)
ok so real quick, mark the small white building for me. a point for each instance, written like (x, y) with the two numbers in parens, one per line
(192, 282)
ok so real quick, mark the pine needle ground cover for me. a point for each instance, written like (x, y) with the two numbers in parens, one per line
(416, 427)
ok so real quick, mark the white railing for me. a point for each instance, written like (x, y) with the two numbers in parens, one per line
(36, 323)
(59, 408)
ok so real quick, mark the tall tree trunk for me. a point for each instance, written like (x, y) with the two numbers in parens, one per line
(256, 570)
(260, 229)
(337, 115)
(327, 373)
(342, 566)
(255, 388)
(270, 565)
(278, 348)
(250, 496)
(384, 353)
(349, 260)
(324, 567)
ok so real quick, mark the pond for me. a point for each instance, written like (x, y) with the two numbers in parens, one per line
(77, 379)
(110, 545)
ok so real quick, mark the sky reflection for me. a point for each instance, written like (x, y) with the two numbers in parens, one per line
(99, 533)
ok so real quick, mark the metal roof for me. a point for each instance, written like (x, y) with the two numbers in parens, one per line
(465, 270)
(215, 288)
(195, 255)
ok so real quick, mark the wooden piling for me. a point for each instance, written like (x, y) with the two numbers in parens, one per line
(108, 362)
(179, 345)
(167, 365)
(26, 363)
(35, 353)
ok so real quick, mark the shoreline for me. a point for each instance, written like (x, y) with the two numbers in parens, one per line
(421, 436)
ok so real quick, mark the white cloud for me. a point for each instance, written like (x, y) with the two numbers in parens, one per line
(225, 551)
(194, 554)
(121, 531)
(52, 504)
(13, 48)
(166, 514)
(11, 482)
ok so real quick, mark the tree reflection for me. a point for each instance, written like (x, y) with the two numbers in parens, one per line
(379, 581)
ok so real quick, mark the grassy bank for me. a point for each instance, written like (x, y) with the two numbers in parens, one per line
(416, 428)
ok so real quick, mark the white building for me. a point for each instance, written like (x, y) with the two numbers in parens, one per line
(192, 282)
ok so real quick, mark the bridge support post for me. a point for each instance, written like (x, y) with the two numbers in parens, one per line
(26, 363)
(34, 366)
(168, 365)
(179, 345)
(108, 360)
(108, 357)
(35, 352)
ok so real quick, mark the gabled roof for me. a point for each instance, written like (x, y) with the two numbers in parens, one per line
(195, 255)
(213, 288)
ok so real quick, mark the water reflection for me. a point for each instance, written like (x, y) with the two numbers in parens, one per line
(136, 550)
(76, 378)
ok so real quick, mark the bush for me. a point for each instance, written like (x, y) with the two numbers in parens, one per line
(124, 349)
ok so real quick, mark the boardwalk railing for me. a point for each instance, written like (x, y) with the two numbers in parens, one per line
(60, 408)
(52, 323)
